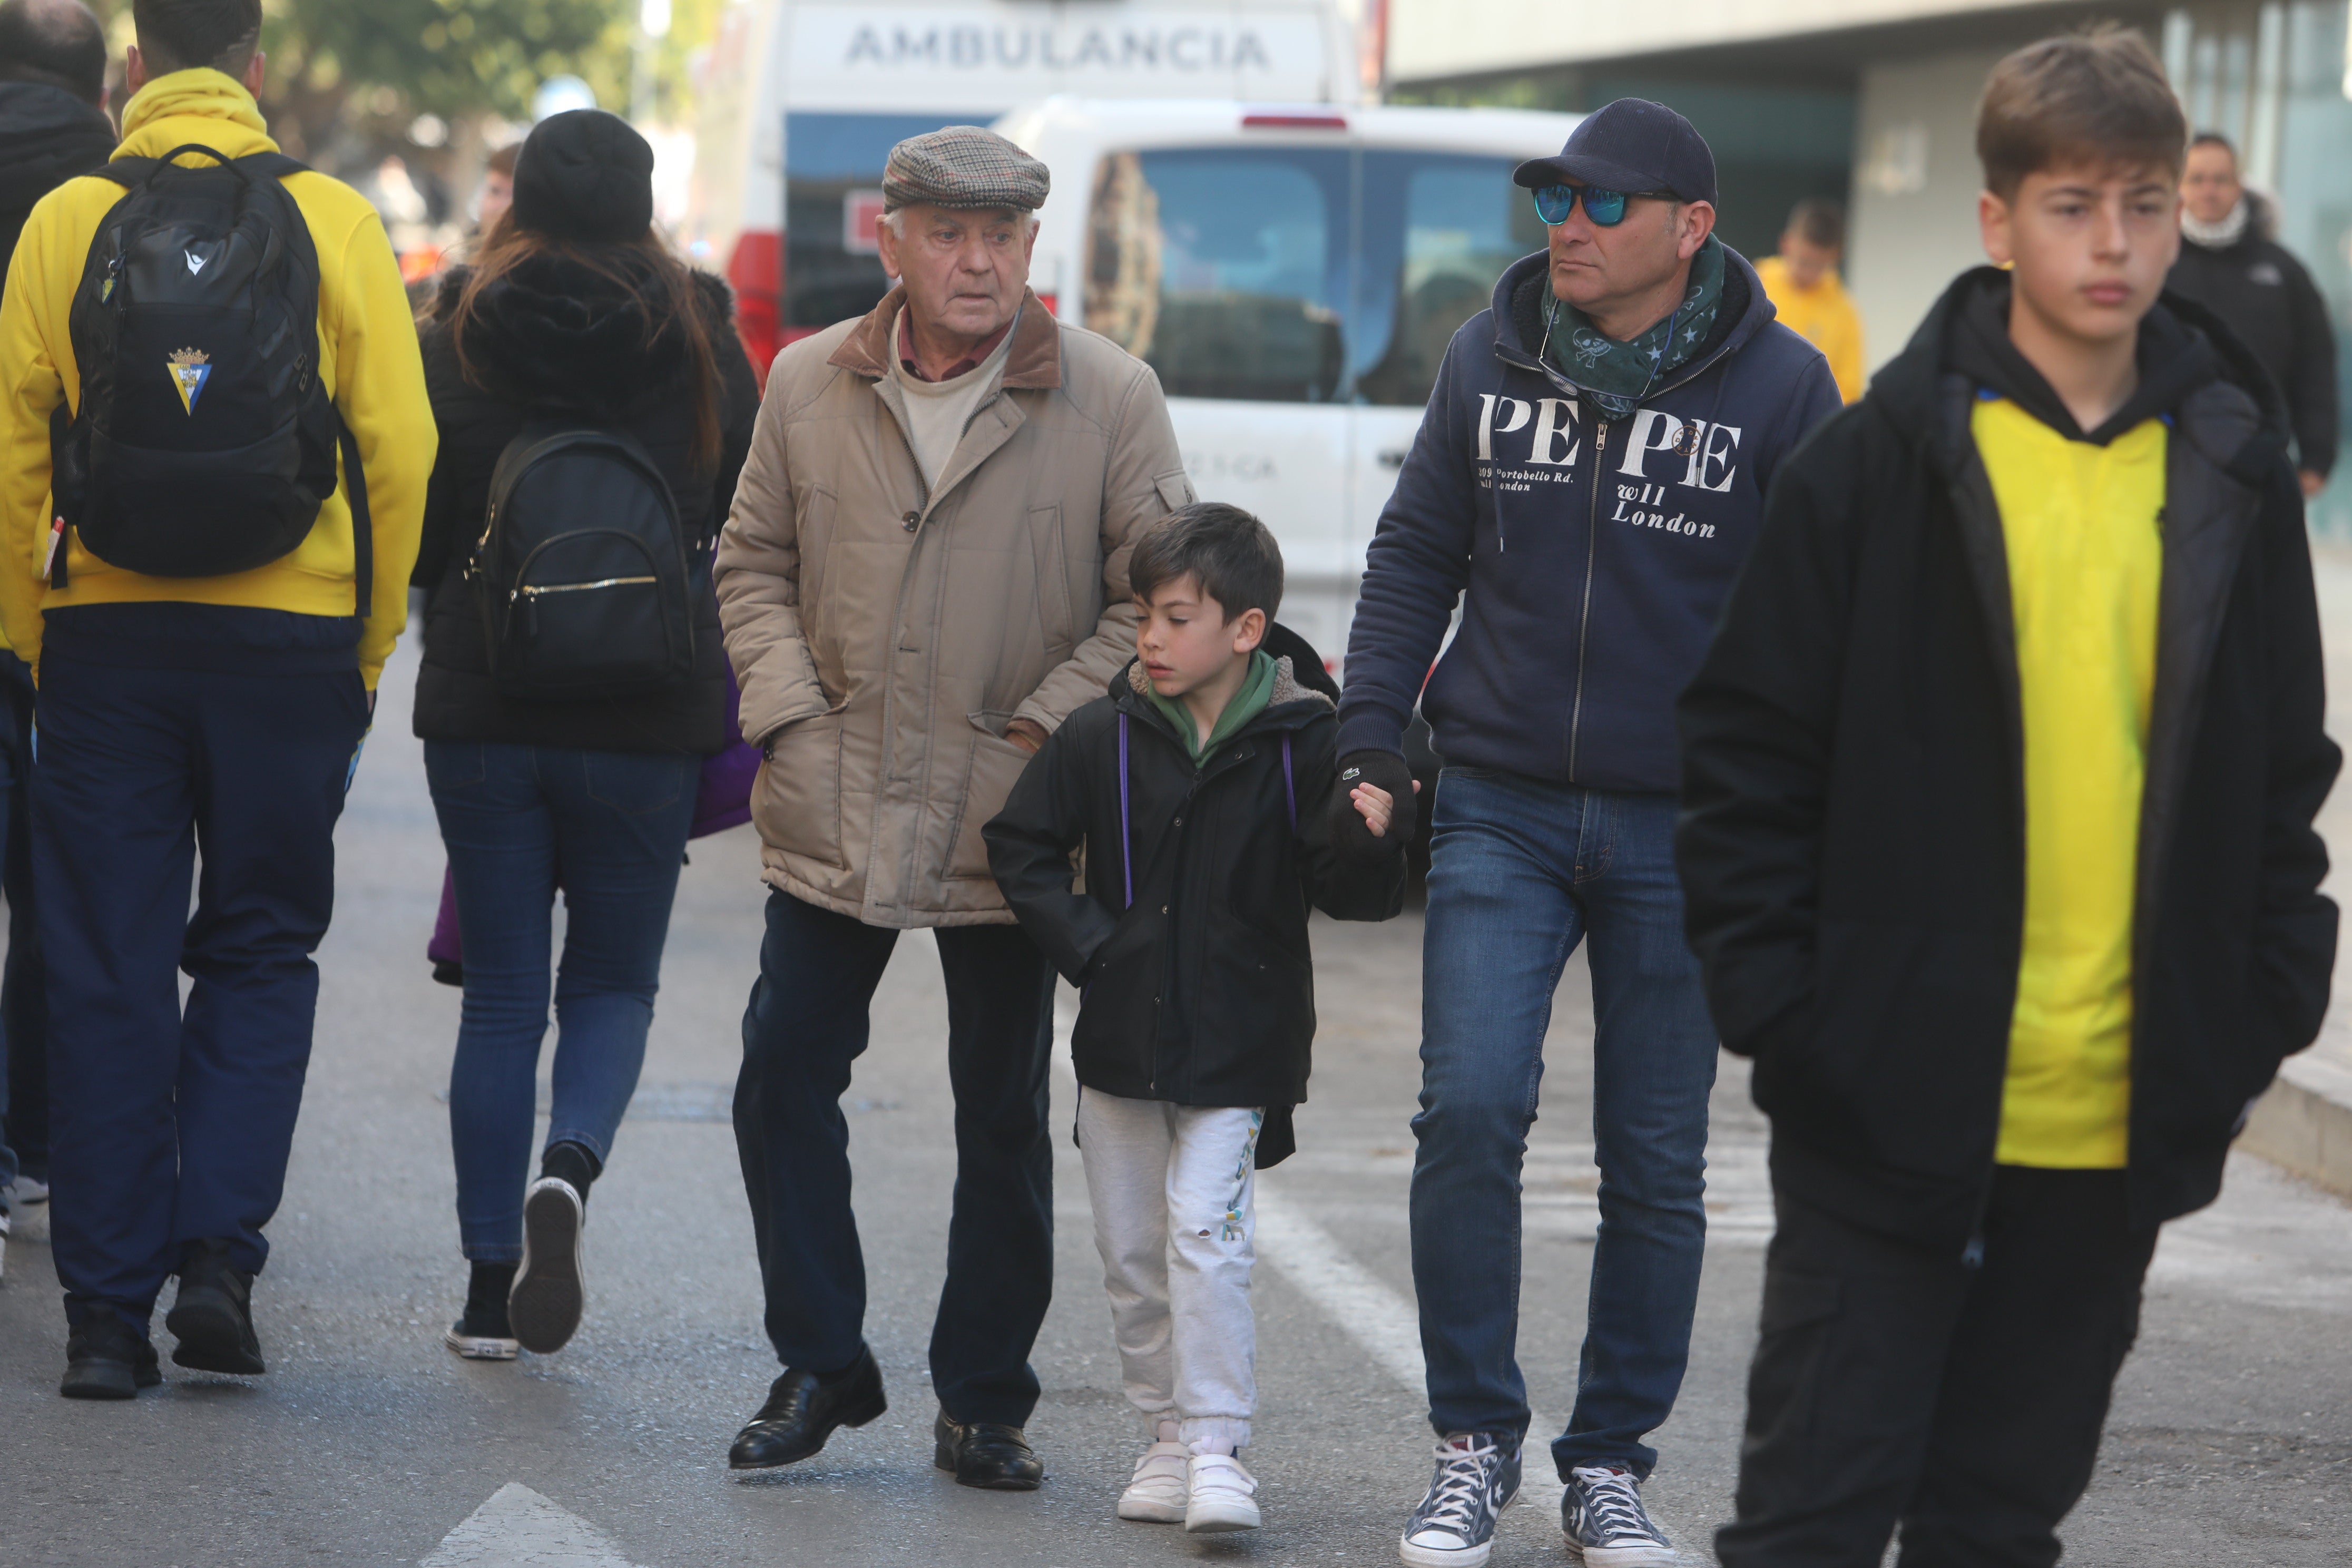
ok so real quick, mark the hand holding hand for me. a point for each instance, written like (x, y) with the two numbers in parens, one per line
(1026, 733)
(1376, 806)
(1373, 809)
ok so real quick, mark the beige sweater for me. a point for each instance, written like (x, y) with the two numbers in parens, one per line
(937, 410)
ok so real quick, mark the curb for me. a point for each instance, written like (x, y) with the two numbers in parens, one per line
(2304, 1123)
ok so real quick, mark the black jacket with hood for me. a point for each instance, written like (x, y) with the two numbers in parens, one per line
(1589, 556)
(2264, 295)
(557, 339)
(1199, 989)
(1852, 836)
(46, 137)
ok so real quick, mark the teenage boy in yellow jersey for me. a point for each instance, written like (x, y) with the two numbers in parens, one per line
(1997, 837)
(178, 713)
(1802, 283)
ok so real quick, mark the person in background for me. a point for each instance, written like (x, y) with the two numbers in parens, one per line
(573, 311)
(53, 126)
(2233, 265)
(1585, 486)
(223, 709)
(497, 190)
(1803, 285)
(1209, 754)
(1997, 839)
(924, 575)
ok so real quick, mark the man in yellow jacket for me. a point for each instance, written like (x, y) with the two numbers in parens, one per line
(178, 711)
(1803, 284)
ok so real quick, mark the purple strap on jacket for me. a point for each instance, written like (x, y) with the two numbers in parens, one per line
(1126, 833)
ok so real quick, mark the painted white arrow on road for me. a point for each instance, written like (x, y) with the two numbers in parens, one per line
(516, 1528)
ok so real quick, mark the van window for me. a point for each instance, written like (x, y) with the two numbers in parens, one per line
(1225, 269)
(1439, 229)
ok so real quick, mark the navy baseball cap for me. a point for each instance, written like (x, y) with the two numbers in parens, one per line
(1632, 145)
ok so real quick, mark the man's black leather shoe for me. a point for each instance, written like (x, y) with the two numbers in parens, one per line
(804, 1409)
(985, 1454)
(105, 1360)
(213, 1316)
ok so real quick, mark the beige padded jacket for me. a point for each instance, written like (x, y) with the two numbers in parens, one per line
(885, 636)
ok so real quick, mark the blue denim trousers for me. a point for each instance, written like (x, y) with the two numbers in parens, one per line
(608, 828)
(1520, 871)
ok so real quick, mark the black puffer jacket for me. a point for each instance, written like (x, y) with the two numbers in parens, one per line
(559, 340)
(2268, 299)
(1201, 991)
(46, 137)
(1853, 838)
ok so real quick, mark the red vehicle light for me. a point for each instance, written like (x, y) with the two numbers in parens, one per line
(1294, 122)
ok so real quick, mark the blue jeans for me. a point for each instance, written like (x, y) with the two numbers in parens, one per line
(609, 828)
(1520, 870)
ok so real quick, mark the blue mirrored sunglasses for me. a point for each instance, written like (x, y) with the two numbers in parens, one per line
(1605, 209)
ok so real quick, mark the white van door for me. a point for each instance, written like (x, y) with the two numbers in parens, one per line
(1229, 269)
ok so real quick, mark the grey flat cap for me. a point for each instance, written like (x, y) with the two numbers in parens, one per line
(962, 166)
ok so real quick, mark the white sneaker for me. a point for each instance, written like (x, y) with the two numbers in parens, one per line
(1155, 1494)
(1476, 1477)
(1223, 1496)
(549, 1291)
(4, 1241)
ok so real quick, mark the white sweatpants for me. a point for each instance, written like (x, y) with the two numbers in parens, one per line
(1173, 1189)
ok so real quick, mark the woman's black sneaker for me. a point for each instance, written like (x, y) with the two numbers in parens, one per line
(213, 1315)
(105, 1360)
(550, 1291)
(483, 1333)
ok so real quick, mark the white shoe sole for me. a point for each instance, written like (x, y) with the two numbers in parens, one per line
(1624, 1556)
(1220, 1517)
(1432, 1557)
(1150, 1510)
(479, 1347)
(544, 1306)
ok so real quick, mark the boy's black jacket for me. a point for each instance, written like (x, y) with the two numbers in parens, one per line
(1202, 993)
(1851, 842)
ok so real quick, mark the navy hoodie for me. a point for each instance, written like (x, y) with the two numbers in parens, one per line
(1595, 553)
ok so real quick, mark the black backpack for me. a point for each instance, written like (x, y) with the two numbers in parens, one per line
(581, 575)
(205, 441)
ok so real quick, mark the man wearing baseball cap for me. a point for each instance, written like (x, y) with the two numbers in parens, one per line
(924, 574)
(1589, 477)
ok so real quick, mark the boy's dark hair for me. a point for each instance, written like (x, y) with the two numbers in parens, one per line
(1229, 551)
(183, 34)
(60, 43)
(2097, 97)
(1819, 220)
(2215, 138)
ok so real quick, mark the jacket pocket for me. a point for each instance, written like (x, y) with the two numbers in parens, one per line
(994, 765)
(1054, 616)
(1175, 489)
(799, 791)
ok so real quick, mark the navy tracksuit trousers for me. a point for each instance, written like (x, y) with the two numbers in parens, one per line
(174, 1125)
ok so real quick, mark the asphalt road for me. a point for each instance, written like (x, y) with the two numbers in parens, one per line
(368, 1442)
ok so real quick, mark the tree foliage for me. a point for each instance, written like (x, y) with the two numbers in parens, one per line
(451, 57)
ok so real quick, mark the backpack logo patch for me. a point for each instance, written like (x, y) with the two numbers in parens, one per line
(195, 262)
(190, 368)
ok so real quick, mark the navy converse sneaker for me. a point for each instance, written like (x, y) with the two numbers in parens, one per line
(1606, 1524)
(1477, 1476)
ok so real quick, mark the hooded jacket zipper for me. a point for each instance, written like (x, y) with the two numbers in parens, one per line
(1584, 612)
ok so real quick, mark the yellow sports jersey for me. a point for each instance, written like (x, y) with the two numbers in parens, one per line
(2086, 561)
(1823, 315)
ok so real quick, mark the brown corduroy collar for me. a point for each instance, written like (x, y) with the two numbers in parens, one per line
(1033, 361)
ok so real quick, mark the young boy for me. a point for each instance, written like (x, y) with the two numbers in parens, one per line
(1198, 790)
(1996, 837)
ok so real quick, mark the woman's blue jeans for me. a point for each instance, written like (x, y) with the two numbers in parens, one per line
(609, 830)
(1520, 870)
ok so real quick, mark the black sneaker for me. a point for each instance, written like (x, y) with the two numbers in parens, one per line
(1477, 1476)
(212, 1314)
(1606, 1525)
(483, 1333)
(549, 1290)
(106, 1360)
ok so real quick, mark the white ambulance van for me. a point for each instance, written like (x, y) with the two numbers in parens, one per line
(1291, 262)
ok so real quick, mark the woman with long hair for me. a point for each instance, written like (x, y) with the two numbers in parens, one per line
(574, 314)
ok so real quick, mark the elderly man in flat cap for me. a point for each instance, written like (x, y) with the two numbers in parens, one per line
(925, 573)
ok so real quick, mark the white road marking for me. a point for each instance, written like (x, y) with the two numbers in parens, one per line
(516, 1528)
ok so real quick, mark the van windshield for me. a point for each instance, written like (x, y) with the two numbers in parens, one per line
(1298, 274)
